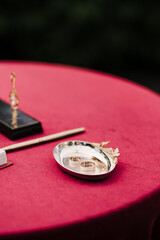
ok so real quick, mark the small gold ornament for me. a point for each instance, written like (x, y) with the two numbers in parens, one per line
(113, 153)
(14, 101)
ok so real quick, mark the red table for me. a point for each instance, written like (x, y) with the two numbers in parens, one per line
(38, 200)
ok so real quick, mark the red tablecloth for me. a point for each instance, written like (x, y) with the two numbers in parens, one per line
(38, 200)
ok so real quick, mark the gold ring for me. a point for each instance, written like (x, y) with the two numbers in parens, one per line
(74, 161)
(87, 167)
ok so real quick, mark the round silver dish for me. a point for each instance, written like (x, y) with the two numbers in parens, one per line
(73, 156)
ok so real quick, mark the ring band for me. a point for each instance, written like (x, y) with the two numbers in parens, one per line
(74, 161)
(87, 167)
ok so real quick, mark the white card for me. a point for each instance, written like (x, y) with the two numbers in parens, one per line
(3, 157)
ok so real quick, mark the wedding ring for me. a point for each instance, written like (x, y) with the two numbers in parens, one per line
(87, 167)
(74, 161)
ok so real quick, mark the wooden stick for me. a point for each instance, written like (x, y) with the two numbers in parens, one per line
(43, 139)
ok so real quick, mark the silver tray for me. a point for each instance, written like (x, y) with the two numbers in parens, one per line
(83, 160)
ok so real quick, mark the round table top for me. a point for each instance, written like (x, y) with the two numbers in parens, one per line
(35, 193)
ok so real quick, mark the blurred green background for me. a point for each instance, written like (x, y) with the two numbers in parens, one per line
(118, 37)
